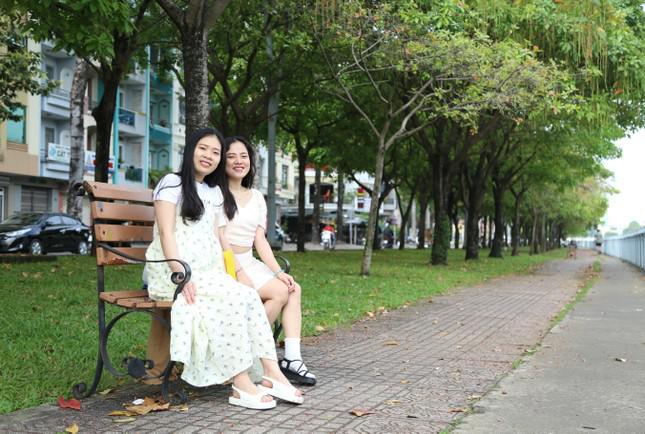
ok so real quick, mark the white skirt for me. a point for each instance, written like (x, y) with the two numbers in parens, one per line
(256, 270)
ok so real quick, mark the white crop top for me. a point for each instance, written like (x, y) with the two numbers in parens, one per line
(241, 230)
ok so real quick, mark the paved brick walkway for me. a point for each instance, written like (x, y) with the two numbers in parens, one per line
(416, 368)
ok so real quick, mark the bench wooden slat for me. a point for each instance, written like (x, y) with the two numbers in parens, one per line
(100, 190)
(122, 212)
(134, 300)
(106, 232)
(105, 257)
(113, 296)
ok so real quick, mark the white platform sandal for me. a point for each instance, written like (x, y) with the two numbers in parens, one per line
(253, 402)
(285, 392)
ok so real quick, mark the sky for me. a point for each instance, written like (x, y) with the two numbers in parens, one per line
(629, 178)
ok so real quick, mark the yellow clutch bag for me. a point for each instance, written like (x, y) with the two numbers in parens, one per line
(229, 263)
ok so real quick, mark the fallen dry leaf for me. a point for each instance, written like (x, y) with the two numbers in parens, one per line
(457, 410)
(404, 381)
(104, 392)
(74, 404)
(72, 429)
(435, 321)
(180, 407)
(471, 397)
(122, 413)
(392, 402)
(391, 343)
(124, 420)
(361, 412)
(25, 274)
(148, 405)
(370, 314)
(319, 328)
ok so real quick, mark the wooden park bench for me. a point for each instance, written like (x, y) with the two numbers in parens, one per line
(122, 220)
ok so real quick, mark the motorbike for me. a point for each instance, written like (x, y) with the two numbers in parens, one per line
(327, 240)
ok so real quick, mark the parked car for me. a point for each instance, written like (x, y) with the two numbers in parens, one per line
(41, 233)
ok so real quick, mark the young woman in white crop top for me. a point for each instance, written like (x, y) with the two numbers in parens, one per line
(244, 224)
(219, 328)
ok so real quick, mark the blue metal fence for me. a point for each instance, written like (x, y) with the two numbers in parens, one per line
(630, 248)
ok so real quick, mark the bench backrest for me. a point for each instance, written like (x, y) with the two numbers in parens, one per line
(122, 217)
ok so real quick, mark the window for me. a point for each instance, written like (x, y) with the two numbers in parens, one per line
(34, 199)
(69, 221)
(121, 100)
(49, 70)
(16, 129)
(53, 221)
(285, 176)
(182, 111)
(50, 135)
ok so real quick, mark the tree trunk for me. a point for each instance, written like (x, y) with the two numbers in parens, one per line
(315, 230)
(423, 211)
(374, 205)
(489, 238)
(302, 161)
(104, 116)
(534, 234)
(405, 216)
(339, 206)
(455, 222)
(195, 56)
(474, 203)
(516, 228)
(77, 133)
(465, 235)
(441, 233)
(498, 196)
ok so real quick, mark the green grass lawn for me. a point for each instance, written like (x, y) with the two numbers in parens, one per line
(48, 333)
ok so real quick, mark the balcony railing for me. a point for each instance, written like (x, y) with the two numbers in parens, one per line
(126, 117)
(59, 91)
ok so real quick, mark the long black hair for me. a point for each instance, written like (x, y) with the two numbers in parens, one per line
(230, 207)
(192, 206)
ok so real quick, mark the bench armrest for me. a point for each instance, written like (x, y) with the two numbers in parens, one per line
(179, 278)
(286, 265)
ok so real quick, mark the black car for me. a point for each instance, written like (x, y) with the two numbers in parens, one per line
(41, 233)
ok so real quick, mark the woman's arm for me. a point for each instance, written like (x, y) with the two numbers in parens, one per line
(263, 248)
(165, 214)
(239, 271)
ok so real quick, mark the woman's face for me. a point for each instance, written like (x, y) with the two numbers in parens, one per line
(238, 163)
(207, 156)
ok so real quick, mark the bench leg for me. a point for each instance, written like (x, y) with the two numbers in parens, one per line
(80, 390)
(277, 329)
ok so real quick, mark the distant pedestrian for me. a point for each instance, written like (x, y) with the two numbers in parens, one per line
(598, 240)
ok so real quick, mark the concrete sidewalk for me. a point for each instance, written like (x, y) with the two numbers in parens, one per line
(588, 375)
(416, 369)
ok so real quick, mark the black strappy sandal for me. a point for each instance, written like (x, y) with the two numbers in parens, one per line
(300, 376)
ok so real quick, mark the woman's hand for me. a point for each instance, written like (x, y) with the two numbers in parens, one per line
(287, 280)
(189, 291)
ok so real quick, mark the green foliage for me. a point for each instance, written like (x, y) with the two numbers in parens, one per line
(154, 175)
(86, 27)
(632, 227)
(19, 69)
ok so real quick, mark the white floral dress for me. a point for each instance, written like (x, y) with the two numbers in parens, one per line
(226, 330)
